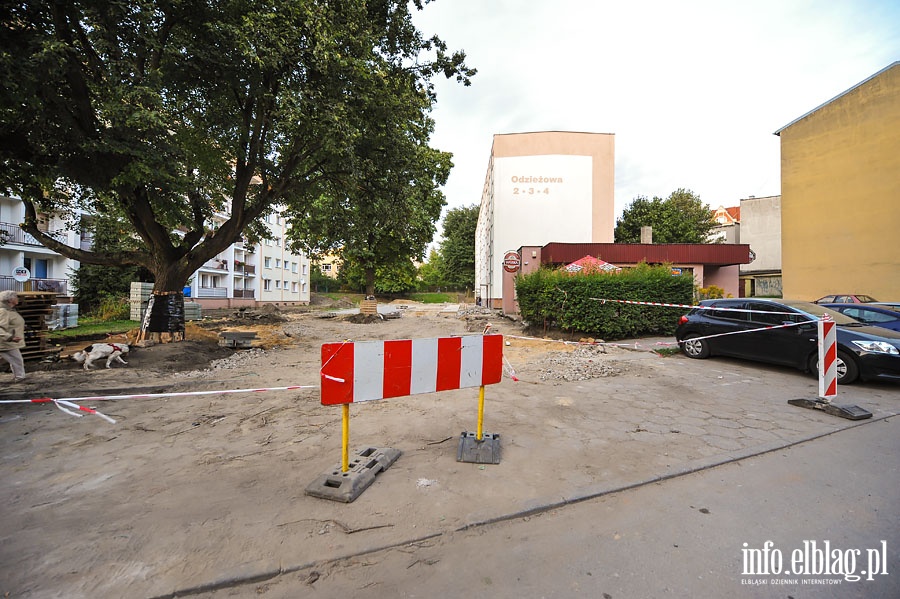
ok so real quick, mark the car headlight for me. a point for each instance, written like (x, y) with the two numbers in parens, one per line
(881, 347)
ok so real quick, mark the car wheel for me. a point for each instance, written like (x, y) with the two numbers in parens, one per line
(847, 370)
(696, 348)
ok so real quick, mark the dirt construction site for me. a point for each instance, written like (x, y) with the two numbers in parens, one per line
(198, 488)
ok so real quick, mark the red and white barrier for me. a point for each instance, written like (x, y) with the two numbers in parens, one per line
(827, 344)
(363, 371)
(690, 306)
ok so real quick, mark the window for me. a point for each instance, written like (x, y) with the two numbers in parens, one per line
(294, 287)
(277, 262)
(759, 314)
(267, 262)
(326, 268)
(277, 283)
(267, 284)
(293, 267)
(304, 270)
(731, 313)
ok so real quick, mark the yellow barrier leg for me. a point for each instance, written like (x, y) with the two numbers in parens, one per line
(479, 433)
(345, 437)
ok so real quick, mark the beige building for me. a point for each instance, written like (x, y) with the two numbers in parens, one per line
(542, 187)
(761, 230)
(840, 190)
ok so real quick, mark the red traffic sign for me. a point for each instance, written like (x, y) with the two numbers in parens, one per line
(511, 262)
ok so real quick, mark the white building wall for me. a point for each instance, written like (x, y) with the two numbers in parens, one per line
(761, 228)
(284, 275)
(49, 271)
(532, 200)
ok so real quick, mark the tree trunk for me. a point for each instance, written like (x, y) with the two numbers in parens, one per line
(370, 282)
(164, 319)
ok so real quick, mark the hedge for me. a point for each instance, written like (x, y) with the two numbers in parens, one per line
(559, 299)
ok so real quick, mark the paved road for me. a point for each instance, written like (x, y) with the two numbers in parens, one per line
(682, 537)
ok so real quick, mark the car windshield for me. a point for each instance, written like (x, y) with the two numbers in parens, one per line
(866, 298)
(817, 310)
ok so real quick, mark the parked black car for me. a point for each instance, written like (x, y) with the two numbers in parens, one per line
(864, 352)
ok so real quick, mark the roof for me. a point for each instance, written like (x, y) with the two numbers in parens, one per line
(591, 264)
(843, 93)
(733, 212)
(711, 254)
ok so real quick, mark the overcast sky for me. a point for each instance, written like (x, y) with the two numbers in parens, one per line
(693, 90)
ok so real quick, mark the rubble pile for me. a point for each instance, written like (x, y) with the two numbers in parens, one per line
(581, 364)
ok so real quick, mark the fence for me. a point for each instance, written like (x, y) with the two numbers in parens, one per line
(57, 286)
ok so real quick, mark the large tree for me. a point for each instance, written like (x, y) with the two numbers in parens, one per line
(680, 218)
(167, 114)
(385, 216)
(458, 247)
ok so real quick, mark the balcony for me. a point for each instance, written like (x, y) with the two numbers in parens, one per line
(210, 292)
(244, 293)
(57, 286)
(13, 234)
(216, 265)
(244, 269)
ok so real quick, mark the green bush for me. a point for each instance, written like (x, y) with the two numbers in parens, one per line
(113, 308)
(572, 302)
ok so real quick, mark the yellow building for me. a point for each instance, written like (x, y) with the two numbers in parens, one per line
(840, 188)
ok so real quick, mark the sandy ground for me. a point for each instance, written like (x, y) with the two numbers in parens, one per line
(203, 494)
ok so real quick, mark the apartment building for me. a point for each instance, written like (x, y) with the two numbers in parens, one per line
(248, 275)
(46, 270)
(542, 187)
(241, 275)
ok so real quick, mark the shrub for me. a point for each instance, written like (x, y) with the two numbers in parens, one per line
(711, 292)
(551, 298)
(113, 308)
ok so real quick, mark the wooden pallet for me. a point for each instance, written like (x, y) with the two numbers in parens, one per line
(36, 309)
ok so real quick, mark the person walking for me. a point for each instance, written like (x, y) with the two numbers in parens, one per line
(12, 334)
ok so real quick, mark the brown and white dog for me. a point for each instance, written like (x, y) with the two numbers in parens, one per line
(111, 351)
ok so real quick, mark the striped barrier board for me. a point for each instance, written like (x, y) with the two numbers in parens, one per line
(827, 345)
(827, 367)
(364, 371)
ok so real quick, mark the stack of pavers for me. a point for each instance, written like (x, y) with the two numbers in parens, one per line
(36, 309)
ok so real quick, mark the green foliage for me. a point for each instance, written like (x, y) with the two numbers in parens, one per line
(88, 326)
(429, 276)
(322, 283)
(555, 298)
(113, 308)
(390, 279)
(96, 283)
(457, 251)
(680, 218)
(433, 298)
(711, 292)
(165, 114)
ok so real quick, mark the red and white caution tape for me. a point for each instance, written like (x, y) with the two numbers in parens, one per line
(69, 402)
(512, 371)
(634, 345)
(774, 326)
(59, 403)
(604, 300)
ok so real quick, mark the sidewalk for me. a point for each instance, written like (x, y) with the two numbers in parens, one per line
(688, 536)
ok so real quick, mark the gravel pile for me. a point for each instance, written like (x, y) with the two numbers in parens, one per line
(236, 360)
(581, 364)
